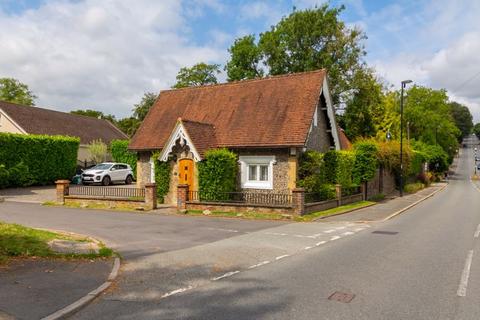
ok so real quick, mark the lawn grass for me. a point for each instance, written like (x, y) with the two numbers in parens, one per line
(334, 211)
(20, 241)
(94, 205)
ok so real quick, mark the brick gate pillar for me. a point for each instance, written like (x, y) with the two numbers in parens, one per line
(151, 195)
(338, 193)
(62, 187)
(298, 199)
(182, 196)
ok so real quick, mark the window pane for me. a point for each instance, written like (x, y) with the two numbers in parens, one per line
(252, 173)
(263, 173)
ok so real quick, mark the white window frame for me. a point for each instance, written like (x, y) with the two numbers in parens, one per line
(246, 161)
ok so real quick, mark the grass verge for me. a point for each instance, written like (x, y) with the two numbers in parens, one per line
(20, 241)
(334, 211)
(95, 205)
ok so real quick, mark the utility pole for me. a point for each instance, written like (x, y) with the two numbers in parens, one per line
(404, 83)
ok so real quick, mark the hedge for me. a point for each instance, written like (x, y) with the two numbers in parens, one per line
(366, 161)
(217, 173)
(37, 159)
(310, 173)
(120, 153)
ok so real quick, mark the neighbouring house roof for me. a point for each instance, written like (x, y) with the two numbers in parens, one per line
(345, 143)
(269, 112)
(35, 120)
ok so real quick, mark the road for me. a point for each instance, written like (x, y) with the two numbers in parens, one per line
(423, 264)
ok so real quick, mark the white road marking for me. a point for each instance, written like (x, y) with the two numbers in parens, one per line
(329, 231)
(320, 243)
(259, 264)
(307, 248)
(317, 235)
(225, 230)
(228, 274)
(348, 233)
(281, 257)
(359, 229)
(171, 293)
(335, 238)
(340, 228)
(462, 288)
(477, 233)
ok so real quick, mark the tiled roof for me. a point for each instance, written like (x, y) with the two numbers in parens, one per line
(36, 120)
(202, 135)
(269, 112)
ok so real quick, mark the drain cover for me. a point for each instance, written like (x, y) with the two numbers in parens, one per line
(385, 232)
(341, 297)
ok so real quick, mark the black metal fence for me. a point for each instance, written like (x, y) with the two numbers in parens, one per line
(329, 193)
(108, 192)
(254, 198)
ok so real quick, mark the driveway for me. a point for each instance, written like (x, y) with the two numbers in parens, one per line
(29, 195)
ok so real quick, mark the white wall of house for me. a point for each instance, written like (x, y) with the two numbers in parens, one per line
(8, 125)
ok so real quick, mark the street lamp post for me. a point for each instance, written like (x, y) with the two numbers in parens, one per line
(404, 84)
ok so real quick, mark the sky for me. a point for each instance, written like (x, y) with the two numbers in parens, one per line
(106, 54)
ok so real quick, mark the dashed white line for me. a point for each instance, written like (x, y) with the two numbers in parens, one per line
(340, 228)
(359, 229)
(281, 257)
(335, 238)
(329, 231)
(462, 288)
(477, 232)
(307, 248)
(225, 230)
(228, 274)
(320, 243)
(348, 233)
(259, 264)
(171, 293)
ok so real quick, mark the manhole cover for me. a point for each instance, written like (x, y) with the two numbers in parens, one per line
(341, 297)
(385, 232)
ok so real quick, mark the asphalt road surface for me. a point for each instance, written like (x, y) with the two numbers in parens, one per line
(424, 264)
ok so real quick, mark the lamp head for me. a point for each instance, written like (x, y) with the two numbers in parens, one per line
(405, 82)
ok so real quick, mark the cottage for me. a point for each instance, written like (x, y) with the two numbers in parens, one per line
(15, 118)
(267, 122)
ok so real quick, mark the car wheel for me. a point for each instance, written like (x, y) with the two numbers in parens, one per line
(106, 181)
(128, 180)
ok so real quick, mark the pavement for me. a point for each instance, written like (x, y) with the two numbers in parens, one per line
(37, 194)
(383, 210)
(183, 267)
(35, 288)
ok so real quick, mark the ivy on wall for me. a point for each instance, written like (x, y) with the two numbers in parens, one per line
(162, 178)
(36, 159)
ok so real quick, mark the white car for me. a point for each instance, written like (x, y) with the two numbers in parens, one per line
(107, 173)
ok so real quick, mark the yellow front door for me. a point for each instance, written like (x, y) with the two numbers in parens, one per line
(186, 173)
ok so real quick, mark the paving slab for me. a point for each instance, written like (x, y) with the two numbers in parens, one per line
(35, 288)
(385, 208)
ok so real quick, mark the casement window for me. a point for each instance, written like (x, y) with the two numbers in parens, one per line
(256, 172)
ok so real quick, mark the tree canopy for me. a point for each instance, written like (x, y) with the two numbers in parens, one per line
(141, 109)
(198, 75)
(12, 90)
(462, 118)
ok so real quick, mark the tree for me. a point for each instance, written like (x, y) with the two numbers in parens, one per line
(430, 120)
(141, 109)
(303, 41)
(12, 90)
(94, 114)
(98, 150)
(199, 75)
(364, 106)
(245, 58)
(476, 129)
(128, 125)
(462, 117)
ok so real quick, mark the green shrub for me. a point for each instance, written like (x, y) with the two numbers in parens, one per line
(4, 177)
(330, 164)
(217, 173)
(344, 169)
(19, 176)
(437, 158)
(310, 172)
(413, 187)
(120, 153)
(366, 161)
(48, 158)
(162, 178)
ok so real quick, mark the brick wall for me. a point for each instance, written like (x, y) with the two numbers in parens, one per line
(143, 169)
(383, 182)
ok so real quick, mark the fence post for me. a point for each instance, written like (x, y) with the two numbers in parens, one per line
(182, 196)
(338, 193)
(298, 195)
(62, 187)
(363, 190)
(151, 195)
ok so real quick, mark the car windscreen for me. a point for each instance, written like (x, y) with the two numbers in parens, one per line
(102, 166)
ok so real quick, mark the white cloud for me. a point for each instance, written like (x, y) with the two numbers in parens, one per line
(101, 55)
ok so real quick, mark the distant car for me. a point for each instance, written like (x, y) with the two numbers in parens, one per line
(107, 173)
